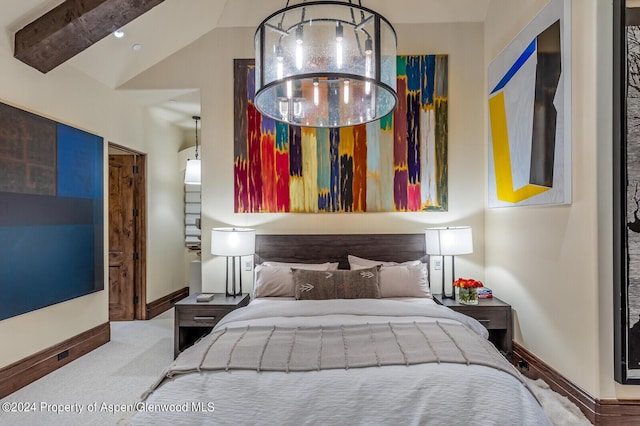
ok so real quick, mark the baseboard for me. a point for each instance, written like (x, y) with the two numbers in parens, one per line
(21, 373)
(534, 368)
(165, 303)
(600, 412)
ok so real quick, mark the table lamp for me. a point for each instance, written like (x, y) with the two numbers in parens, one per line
(449, 241)
(233, 243)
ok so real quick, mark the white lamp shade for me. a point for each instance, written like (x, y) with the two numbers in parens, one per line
(233, 241)
(192, 173)
(450, 241)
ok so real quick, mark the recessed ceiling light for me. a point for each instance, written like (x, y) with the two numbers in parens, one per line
(118, 33)
(136, 47)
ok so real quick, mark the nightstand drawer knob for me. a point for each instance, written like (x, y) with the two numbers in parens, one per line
(484, 321)
(201, 318)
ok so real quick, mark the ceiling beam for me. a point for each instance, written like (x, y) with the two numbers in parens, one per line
(71, 27)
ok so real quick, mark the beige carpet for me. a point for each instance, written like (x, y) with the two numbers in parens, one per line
(103, 380)
(99, 388)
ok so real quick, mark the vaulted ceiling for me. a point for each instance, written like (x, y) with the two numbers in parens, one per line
(174, 24)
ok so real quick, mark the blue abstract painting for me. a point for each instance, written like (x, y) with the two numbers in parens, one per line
(51, 212)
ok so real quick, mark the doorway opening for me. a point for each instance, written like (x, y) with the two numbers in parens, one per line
(127, 234)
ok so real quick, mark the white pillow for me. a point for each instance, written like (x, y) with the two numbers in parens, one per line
(404, 281)
(407, 279)
(277, 280)
(327, 266)
(367, 263)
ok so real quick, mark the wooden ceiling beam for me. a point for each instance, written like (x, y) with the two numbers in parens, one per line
(71, 27)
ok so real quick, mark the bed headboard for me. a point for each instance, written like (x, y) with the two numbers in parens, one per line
(319, 248)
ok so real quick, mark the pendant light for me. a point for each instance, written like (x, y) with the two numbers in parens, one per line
(192, 174)
(325, 64)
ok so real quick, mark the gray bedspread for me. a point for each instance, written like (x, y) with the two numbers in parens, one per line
(274, 348)
(357, 362)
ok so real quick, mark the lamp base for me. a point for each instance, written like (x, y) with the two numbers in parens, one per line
(444, 294)
(231, 284)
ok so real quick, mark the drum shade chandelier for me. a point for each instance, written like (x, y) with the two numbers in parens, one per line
(325, 64)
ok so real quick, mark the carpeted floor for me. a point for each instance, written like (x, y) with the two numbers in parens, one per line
(103, 380)
(99, 388)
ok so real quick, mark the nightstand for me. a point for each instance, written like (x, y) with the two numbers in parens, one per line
(195, 319)
(493, 313)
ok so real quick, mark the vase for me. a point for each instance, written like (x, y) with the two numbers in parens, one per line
(468, 296)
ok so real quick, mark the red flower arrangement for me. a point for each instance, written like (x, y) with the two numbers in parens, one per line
(467, 283)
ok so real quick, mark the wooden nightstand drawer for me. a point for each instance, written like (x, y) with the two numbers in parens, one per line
(198, 317)
(490, 318)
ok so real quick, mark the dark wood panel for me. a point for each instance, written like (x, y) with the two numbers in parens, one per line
(335, 247)
(535, 368)
(122, 237)
(19, 374)
(71, 27)
(119, 310)
(140, 265)
(600, 412)
(165, 303)
(139, 271)
(618, 412)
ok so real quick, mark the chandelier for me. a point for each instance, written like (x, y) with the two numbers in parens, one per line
(325, 64)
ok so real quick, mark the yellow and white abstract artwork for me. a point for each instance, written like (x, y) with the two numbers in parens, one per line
(530, 114)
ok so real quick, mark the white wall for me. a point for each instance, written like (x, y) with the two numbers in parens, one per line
(554, 264)
(165, 208)
(210, 68)
(70, 97)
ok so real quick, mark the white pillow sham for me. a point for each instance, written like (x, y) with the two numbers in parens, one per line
(359, 261)
(275, 279)
(407, 279)
(327, 266)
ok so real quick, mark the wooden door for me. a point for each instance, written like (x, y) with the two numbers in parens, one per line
(122, 237)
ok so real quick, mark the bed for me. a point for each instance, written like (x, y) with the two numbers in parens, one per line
(341, 330)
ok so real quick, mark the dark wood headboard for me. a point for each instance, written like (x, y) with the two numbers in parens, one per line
(320, 248)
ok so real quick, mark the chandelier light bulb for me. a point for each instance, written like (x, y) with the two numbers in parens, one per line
(280, 64)
(316, 92)
(299, 56)
(299, 34)
(346, 92)
(283, 108)
(289, 89)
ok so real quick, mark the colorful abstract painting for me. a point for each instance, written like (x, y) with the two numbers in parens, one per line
(396, 164)
(530, 114)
